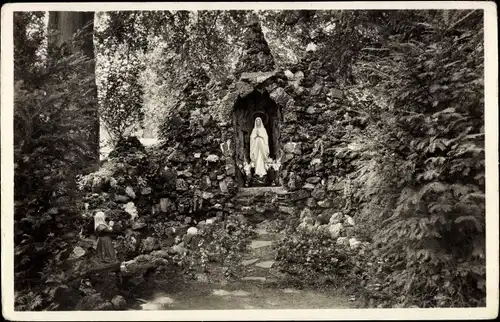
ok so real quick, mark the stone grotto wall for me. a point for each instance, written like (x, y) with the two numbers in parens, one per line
(314, 147)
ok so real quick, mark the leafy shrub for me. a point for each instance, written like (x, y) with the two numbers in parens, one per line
(224, 243)
(312, 257)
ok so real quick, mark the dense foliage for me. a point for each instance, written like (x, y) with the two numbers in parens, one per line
(120, 93)
(51, 137)
(224, 243)
(313, 258)
(420, 179)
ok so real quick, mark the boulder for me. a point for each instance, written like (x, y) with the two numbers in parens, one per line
(119, 302)
(298, 90)
(313, 180)
(298, 75)
(280, 96)
(306, 212)
(311, 110)
(230, 169)
(207, 195)
(308, 186)
(337, 186)
(316, 162)
(324, 218)
(130, 192)
(121, 198)
(185, 173)
(287, 210)
(343, 241)
(311, 203)
(146, 191)
(325, 203)
(302, 225)
(162, 253)
(179, 249)
(319, 192)
(241, 89)
(336, 218)
(311, 47)
(322, 229)
(113, 183)
(335, 230)
(257, 77)
(131, 210)
(316, 89)
(308, 220)
(349, 221)
(223, 187)
(299, 195)
(211, 158)
(354, 243)
(192, 231)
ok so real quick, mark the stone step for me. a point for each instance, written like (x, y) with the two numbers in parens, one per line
(249, 262)
(254, 278)
(261, 231)
(260, 243)
(265, 264)
(260, 191)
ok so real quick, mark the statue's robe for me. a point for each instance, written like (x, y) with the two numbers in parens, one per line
(259, 149)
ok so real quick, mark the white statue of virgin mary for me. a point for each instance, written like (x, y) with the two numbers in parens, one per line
(259, 148)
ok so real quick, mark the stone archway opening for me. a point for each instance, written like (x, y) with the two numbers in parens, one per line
(245, 110)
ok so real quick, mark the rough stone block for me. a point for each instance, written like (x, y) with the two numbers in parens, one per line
(288, 210)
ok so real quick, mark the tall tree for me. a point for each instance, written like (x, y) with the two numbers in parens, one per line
(67, 25)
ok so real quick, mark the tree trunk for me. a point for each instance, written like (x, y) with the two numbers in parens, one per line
(66, 24)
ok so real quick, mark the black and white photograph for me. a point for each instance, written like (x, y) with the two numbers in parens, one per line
(257, 161)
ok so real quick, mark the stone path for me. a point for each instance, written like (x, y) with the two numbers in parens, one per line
(260, 258)
(256, 288)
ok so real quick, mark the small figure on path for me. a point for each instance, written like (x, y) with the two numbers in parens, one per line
(106, 253)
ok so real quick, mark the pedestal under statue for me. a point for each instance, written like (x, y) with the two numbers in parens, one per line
(259, 148)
